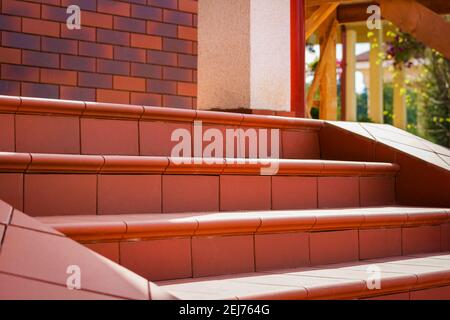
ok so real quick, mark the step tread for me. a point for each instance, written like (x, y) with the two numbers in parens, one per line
(62, 163)
(339, 281)
(107, 227)
(26, 105)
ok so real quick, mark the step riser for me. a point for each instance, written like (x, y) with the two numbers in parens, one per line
(91, 194)
(75, 135)
(200, 256)
(438, 293)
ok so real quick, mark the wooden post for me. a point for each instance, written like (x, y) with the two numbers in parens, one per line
(328, 84)
(376, 77)
(298, 43)
(343, 78)
(350, 91)
(399, 99)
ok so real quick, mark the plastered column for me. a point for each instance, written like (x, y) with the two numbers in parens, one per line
(244, 54)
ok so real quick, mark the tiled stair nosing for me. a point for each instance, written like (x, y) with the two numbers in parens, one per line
(347, 288)
(26, 105)
(98, 164)
(122, 227)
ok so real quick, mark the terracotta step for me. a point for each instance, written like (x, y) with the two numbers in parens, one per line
(75, 127)
(47, 184)
(401, 278)
(172, 246)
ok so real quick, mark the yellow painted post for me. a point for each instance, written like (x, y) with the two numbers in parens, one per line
(376, 76)
(400, 120)
(350, 90)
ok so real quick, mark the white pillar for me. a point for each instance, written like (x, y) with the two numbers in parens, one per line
(350, 90)
(376, 77)
(244, 54)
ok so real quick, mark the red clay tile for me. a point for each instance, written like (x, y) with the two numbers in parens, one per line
(113, 137)
(395, 296)
(156, 137)
(27, 253)
(377, 191)
(18, 288)
(380, 243)
(58, 194)
(7, 142)
(11, 189)
(445, 237)
(222, 255)
(300, 144)
(338, 192)
(281, 251)
(47, 134)
(109, 250)
(294, 193)
(158, 259)
(440, 293)
(421, 239)
(245, 193)
(190, 193)
(121, 194)
(333, 247)
(5, 212)
(20, 219)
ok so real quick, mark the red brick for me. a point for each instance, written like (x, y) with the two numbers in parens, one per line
(163, 58)
(114, 7)
(145, 41)
(76, 93)
(39, 90)
(177, 102)
(96, 50)
(59, 45)
(187, 89)
(21, 8)
(113, 67)
(188, 5)
(113, 96)
(95, 80)
(54, 13)
(161, 86)
(147, 99)
(146, 70)
(175, 45)
(178, 74)
(161, 29)
(94, 19)
(10, 88)
(40, 59)
(177, 17)
(16, 72)
(85, 33)
(171, 4)
(77, 63)
(187, 33)
(10, 23)
(146, 12)
(129, 83)
(129, 54)
(129, 24)
(9, 55)
(187, 61)
(113, 37)
(58, 76)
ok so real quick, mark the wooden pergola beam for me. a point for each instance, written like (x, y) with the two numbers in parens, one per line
(425, 25)
(319, 16)
(328, 44)
(357, 12)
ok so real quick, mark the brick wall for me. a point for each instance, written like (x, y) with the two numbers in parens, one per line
(129, 51)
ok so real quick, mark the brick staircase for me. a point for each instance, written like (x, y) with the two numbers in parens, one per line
(340, 203)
